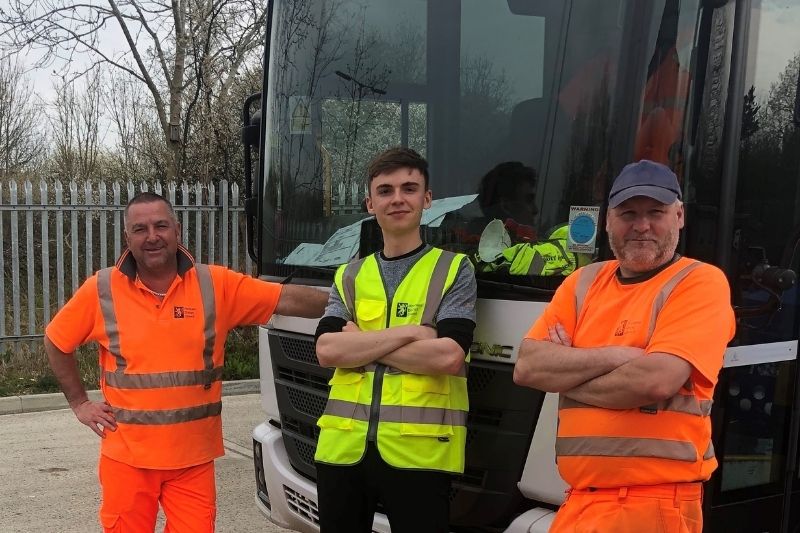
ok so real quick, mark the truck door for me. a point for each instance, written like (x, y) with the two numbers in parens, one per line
(756, 488)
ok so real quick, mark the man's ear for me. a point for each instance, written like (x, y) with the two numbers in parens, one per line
(428, 199)
(368, 202)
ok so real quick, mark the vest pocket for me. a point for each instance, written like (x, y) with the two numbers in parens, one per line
(425, 411)
(370, 314)
(343, 399)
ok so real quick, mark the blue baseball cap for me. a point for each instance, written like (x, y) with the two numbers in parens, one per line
(645, 178)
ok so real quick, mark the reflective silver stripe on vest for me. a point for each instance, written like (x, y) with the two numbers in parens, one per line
(397, 413)
(664, 293)
(423, 415)
(162, 380)
(585, 279)
(349, 285)
(167, 416)
(345, 409)
(626, 447)
(709, 452)
(210, 317)
(435, 287)
(680, 403)
(537, 264)
(109, 316)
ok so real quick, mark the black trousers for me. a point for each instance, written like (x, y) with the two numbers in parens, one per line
(415, 501)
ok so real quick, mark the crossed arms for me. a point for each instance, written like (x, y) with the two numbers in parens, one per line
(613, 377)
(409, 348)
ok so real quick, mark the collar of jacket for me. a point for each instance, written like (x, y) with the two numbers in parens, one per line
(127, 264)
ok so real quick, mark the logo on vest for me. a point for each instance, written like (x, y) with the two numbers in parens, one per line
(183, 312)
(405, 310)
(626, 327)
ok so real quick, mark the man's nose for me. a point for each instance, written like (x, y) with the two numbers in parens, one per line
(641, 224)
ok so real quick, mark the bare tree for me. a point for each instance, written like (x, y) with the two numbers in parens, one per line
(158, 36)
(123, 102)
(775, 118)
(76, 129)
(20, 145)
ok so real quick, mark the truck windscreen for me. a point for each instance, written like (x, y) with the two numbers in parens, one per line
(524, 113)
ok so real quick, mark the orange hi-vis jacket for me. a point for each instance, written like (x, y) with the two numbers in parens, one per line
(161, 360)
(683, 310)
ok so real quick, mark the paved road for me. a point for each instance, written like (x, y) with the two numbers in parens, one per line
(48, 473)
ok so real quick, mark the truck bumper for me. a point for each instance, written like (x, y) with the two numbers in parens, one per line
(290, 500)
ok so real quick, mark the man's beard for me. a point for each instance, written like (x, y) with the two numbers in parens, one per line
(644, 259)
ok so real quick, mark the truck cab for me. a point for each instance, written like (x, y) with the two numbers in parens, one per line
(526, 110)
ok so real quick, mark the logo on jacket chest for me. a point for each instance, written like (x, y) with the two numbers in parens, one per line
(627, 327)
(180, 311)
(406, 310)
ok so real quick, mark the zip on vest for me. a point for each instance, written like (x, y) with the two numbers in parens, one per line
(380, 369)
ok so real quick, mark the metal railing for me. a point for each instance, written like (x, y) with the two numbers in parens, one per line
(50, 244)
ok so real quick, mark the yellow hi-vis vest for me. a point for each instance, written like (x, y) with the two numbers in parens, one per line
(417, 421)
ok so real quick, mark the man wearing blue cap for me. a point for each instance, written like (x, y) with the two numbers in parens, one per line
(633, 346)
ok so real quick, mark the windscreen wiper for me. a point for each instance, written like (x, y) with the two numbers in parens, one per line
(302, 268)
(501, 286)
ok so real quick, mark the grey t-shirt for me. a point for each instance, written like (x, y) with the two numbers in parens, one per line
(457, 302)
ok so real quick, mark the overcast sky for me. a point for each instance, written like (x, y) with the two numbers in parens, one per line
(777, 35)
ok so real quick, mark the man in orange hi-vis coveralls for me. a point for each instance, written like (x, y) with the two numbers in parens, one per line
(160, 320)
(634, 346)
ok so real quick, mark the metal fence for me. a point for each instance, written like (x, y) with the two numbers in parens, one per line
(55, 238)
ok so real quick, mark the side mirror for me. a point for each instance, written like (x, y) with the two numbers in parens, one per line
(776, 278)
(252, 131)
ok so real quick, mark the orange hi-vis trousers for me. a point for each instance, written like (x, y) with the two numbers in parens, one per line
(669, 508)
(131, 496)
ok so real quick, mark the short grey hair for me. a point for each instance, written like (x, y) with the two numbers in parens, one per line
(148, 198)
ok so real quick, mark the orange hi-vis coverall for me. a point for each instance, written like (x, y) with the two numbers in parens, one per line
(636, 469)
(161, 363)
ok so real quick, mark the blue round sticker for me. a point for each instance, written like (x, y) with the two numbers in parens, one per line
(582, 229)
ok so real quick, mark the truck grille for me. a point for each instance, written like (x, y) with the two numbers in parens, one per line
(301, 350)
(310, 404)
(301, 505)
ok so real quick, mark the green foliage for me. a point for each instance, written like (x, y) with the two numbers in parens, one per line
(241, 354)
(24, 369)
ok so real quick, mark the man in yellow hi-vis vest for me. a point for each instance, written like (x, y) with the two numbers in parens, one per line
(397, 328)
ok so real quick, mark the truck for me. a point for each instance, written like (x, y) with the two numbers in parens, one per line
(565, 92)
